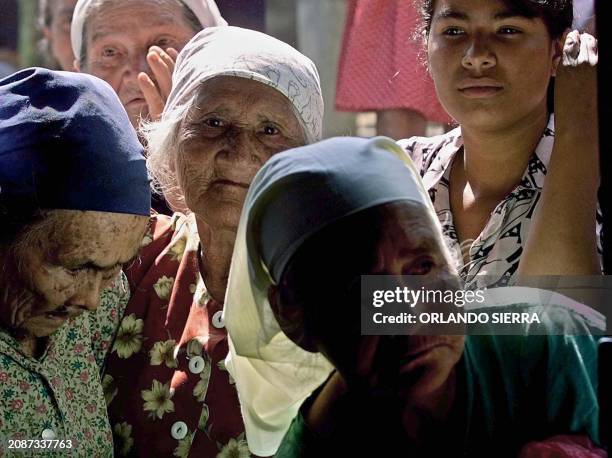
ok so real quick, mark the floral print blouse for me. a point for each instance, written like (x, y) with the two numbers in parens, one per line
(493, 257)
(168, 391)
(59, 396)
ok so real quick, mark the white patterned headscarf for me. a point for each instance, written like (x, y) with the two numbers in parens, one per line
(244, 53)
(205, 10)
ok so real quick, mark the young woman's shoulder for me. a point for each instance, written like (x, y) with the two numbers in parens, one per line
(423, 150)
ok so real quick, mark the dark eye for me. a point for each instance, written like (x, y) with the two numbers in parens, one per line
(421, 266)
(453, 31)
(270, 130)
(163, 42)
(75, 271)
(508, 31)
(109, 52)
(214, 122)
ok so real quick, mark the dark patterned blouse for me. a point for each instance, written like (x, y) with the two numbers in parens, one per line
(493, 257)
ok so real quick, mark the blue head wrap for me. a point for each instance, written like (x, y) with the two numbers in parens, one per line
(67, 143)
(300, 191)
(293, 196)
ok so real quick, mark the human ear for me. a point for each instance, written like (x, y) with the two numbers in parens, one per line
(290, 318)
(557, 54)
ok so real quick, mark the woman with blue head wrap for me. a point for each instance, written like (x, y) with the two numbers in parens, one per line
(362, 185)
(74, 205)
(317, 218)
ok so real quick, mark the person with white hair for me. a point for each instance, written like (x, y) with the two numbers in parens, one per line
(132, 45)
(238, 98)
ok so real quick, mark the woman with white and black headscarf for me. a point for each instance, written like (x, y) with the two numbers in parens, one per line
(238, 98)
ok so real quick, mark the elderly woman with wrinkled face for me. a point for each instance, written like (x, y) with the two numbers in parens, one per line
(133, 44)
(239, 97)
(67, 157)
(314, 221)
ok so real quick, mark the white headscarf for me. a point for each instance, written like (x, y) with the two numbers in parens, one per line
(244, 53)
(205, 10)
(293, 196)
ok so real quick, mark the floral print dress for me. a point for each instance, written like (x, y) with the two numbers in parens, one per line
(59, 396)
(167, 388)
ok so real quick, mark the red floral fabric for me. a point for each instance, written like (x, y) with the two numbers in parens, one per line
(168, 392)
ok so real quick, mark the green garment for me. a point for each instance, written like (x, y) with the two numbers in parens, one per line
(511, 390)
(59, 396)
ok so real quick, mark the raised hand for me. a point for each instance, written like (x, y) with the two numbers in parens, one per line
(576, 87)
(562, 238)
(156, 88)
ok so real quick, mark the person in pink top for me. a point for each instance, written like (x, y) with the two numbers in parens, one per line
(382, 68)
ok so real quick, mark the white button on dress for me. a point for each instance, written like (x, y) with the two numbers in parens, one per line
(196, 364)
(217, 320)
(48, 434)
(179, 430)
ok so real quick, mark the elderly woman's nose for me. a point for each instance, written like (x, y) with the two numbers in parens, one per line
(138, 63)
(87, 295)
(244, 146)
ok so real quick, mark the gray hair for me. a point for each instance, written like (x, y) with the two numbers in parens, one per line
(164, 140)
(45, 12)
(236, 53)
(96, 6)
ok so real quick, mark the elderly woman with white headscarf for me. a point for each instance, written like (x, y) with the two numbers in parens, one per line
(238, 98)
(133, 45)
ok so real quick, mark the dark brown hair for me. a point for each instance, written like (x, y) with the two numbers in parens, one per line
(556, 14)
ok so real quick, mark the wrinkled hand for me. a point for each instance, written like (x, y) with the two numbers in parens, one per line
(156, 89)
(576, 87)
